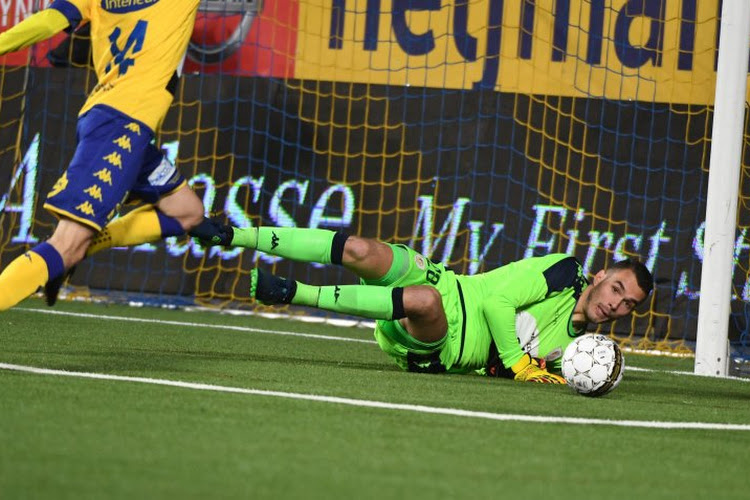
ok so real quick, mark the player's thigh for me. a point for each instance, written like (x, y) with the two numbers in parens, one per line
(408, 352)
(408, 267)
(104, 167)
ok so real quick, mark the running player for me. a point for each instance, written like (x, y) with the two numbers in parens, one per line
(513, 321)
(138, 50)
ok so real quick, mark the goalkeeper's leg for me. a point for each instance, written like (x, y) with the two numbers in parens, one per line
(419, 307)
(368, 258)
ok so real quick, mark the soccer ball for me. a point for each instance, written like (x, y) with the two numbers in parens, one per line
(593, 364)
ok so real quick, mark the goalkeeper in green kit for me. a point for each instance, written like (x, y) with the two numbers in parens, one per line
(514, 321)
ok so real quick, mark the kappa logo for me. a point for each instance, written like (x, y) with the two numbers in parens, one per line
(104, 175)
(59, 186)
(336, 294)
(133, 127)
(86, 208)
(274, 240)
(124, 142)
(114, 158)
(94, 191)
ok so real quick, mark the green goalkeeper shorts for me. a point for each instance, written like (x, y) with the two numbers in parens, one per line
(412, 268)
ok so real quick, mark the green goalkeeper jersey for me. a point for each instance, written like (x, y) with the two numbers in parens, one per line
(523, 307)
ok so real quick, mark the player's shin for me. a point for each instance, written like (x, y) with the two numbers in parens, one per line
(27, 273)
(373, 302)
(299, 244)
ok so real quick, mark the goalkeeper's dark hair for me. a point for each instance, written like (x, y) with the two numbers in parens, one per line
(643, 276)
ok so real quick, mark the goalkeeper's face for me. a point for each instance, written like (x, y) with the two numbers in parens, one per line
(612, 295)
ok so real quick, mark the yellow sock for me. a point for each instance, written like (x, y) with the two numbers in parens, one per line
(21, 278)
(139, 226)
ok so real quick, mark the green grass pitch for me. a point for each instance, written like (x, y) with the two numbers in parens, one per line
(256, 416)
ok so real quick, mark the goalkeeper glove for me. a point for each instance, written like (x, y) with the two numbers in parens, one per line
(529, 369)
(211, 233)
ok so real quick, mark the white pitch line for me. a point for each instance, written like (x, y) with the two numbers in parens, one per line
(676, 372)
(197, 325)
(283, 332)
(363, 403)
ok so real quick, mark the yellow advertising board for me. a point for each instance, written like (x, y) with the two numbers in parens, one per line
(649, 50)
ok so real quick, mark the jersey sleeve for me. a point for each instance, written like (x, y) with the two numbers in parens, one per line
(74, 10)
(524, 283)
(33, 29)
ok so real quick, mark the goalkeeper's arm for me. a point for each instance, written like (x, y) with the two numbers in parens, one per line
(506, 358)
(35, 28)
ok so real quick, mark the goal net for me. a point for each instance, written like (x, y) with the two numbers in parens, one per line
(477, 131)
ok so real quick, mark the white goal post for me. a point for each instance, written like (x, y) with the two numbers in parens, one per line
(712, 344)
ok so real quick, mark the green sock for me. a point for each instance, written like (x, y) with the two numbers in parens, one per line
(373, 302)
(296, 243)
(246, 237)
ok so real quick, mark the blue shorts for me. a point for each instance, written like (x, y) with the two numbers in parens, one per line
(115, 161)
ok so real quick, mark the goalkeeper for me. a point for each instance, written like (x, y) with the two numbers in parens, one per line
(138, 50)
(513, 321)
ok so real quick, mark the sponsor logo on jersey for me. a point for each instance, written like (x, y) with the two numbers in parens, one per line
(419, 261)
(123, 6)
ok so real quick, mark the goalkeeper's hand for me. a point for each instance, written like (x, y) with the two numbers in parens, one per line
(530, 369)
(211, 233)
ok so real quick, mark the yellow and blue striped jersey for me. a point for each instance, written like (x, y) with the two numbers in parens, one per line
(137, 45)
